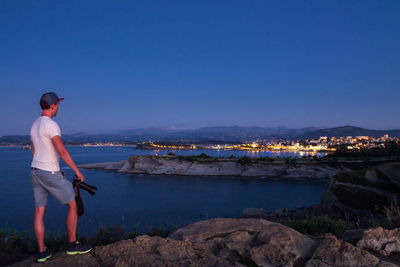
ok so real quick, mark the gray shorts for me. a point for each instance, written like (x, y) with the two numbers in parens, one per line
(45, 182)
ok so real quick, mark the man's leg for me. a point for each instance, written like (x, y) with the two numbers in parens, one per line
(72, 220)
(38, 227)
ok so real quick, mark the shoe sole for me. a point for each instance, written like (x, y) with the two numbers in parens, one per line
(78, 252)
(44, 259)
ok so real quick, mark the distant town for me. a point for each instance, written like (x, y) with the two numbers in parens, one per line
(322, 144)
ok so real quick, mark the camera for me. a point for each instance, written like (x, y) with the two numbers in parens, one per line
(87, 187)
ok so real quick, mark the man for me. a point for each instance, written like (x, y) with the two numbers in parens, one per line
(46, 177)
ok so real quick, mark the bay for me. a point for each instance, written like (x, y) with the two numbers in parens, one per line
(146, 201)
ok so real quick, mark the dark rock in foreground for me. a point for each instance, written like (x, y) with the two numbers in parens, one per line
(366, 194)
(234, 242)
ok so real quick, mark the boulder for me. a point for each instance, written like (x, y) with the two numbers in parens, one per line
(207, 229)
(383, 241)
(333, 252)
(281, 246)
(254, 241)
(156, 251)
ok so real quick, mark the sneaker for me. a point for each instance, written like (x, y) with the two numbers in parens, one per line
(43, 256)
(74, 248)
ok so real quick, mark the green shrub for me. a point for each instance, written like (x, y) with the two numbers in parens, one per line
(245, 160)
(12, 241)
(108, 235)
(320, 225)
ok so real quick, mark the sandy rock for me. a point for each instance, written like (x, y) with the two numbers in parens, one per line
(334, 252)
(203, 230)
(281, 246)
(250, 240)
(156, 251)
(381, 240)
(235, 246)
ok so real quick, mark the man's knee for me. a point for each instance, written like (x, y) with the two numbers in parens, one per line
(72, 204)
(39, 211)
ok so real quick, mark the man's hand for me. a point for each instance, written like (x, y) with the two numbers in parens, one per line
(79, 176)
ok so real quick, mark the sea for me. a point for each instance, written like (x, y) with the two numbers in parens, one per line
(143, 202)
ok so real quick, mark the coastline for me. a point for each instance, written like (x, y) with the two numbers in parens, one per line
(188, 166)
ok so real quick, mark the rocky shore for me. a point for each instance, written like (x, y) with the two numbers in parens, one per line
(173, 165)
(241, 242)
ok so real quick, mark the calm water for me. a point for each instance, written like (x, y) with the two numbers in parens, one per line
(145, 201)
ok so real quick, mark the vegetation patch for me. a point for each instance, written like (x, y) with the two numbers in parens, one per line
(245, 160)
(319, 225)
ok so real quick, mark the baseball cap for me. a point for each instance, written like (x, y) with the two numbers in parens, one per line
(48, 99)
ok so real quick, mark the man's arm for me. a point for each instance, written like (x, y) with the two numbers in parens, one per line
(62, 151)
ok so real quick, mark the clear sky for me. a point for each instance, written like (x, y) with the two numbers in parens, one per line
(189, 64)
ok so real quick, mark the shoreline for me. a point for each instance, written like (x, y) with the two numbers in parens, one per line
(236, 167)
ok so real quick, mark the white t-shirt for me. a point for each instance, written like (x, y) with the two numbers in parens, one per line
(45, 156)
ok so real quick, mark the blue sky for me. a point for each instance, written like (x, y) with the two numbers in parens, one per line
(189, 64)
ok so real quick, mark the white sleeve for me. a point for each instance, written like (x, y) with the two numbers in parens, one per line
(53, 129)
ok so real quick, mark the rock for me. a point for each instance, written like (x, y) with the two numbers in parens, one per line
(62, 259)
(306, 172)
(253, 213)
(104, 165)
(204, 230)
(156, 251)
(234, 246)
(333, 252)
(250, 240)
(366, 194)
(233, 242)
(352, 236)
(281, 246)
(175, 166)
(383, 241)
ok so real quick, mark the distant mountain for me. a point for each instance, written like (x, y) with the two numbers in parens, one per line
(347, 131)
(209, 134)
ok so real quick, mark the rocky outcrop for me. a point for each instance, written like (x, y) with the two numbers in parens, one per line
(365, 194)
(173, 165)
(383, 241)
(334, 252)
(228, 242)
